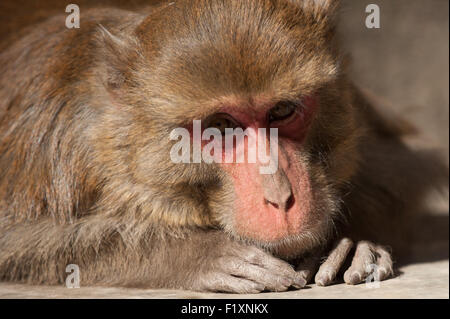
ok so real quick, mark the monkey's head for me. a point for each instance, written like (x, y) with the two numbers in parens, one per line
(231, 64)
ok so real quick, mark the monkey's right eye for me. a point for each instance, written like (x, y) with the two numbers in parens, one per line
(281, 111)
(221, 121)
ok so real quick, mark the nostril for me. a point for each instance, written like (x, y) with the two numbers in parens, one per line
(285, 204)
(290, 202)
(271, 203)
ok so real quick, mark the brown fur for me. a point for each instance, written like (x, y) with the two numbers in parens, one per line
(85, 117)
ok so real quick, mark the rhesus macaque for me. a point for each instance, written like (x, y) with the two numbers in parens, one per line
(85, 170)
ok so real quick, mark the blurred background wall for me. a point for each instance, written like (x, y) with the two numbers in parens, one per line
(405, 61)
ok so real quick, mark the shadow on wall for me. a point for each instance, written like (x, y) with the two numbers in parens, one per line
(432, 240)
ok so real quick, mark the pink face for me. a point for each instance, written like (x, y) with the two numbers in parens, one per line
(271, 207)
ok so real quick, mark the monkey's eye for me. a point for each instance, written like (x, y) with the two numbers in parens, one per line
(221, 121)
(281, 111)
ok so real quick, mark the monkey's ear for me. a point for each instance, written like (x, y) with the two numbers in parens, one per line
(116, 58)
(321, 10)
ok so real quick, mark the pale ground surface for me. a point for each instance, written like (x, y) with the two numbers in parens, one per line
(426, 280)
(405, 62)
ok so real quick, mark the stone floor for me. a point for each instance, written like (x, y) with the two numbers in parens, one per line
(424, 280)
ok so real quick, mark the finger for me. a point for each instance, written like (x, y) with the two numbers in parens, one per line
(385, 267)
(308, 267)
(329, 269)
(219, 282)
(271, 281)
(361, 265)
(275, 265)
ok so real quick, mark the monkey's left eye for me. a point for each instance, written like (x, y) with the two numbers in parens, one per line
(221, 122)
(281, 111)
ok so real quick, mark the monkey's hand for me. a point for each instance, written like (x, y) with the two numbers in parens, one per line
(247, 269)
(369, 261)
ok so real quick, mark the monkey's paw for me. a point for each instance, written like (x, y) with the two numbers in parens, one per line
(247, 269)
(369, 261)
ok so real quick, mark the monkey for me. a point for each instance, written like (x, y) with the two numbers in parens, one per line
(86, 176)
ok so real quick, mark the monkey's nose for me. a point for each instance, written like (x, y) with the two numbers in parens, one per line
(277, 190)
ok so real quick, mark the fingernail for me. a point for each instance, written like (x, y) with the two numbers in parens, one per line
(320, 282)
(286, 282)
(323, 280)
(299, 281)
(260, 287)
(355, 278)
(330, 277)
(381, 273)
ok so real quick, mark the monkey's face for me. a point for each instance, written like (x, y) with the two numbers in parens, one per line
(254, 65)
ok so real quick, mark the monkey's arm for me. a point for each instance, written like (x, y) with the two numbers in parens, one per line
(107, 255)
